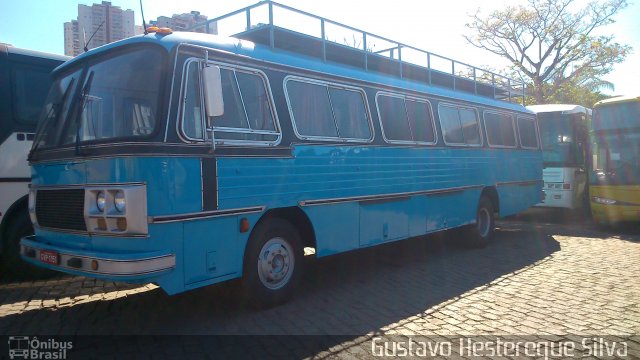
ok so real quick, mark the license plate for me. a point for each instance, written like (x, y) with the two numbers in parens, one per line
(49, 257)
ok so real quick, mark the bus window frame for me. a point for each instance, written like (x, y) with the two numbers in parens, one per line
(516, 136)
(458, 107)
(405, 97)
(535, 126)
(227, 142)
(328, 84)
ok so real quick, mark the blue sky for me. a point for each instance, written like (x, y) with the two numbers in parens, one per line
(437, 27)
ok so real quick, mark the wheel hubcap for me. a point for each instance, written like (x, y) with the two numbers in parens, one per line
(275, 263)
(484, 222)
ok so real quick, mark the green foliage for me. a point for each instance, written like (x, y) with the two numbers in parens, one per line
(553, 48)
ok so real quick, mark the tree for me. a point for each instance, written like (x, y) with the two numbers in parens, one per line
(551, 45)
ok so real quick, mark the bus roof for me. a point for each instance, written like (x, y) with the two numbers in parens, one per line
(562, 108)
(264, 53)
(13, 51)
(617, 99)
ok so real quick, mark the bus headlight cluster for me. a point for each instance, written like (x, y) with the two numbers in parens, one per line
(101, 200)
(116, 209)
(32, 206)
(119, 200)
(603, 201)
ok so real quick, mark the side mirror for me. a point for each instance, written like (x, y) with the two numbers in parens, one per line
(213, 100)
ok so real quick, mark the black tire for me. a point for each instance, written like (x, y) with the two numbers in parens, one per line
(479, 234)
(273, 243)
(13, 267)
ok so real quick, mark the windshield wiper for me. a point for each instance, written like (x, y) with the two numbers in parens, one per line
(83, 103)
(53, 116)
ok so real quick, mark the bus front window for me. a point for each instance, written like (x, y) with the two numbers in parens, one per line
(110, 99)
(56, 108)
(559, 143)
(616, 159)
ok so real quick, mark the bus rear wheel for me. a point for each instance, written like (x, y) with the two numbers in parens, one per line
(273, 264)
(479, 234)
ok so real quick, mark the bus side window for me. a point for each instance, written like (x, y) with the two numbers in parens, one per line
(311, 109)
(528, 133)
(421, 121)
(248, 116)
(350, 114)
(256, 102)
(192, 119)
(28, 99)
(470, 128)
(234, 115)
(394, 118)
(450, 123)
(500, 129)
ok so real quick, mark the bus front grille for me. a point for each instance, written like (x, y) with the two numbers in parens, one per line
(61, 209)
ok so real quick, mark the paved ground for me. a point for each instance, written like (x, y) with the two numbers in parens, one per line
(555, 280)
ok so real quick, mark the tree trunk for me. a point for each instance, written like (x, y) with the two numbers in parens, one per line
(538, 90)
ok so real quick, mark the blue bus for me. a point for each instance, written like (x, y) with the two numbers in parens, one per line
(24, 82)
(188, 159)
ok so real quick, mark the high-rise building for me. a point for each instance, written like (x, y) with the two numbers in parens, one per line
(109, 23)
(183, 22)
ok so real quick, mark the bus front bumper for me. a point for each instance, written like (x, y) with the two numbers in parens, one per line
(134, 267)
(558, 199)
(611, 214)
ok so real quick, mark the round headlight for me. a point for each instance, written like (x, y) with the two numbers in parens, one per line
(119, 201)
(101, 200)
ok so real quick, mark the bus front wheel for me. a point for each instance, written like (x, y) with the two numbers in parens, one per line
(273, 263)
(12, 267)
(479, 234)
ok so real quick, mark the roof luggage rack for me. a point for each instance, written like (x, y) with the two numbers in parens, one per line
(339, 43)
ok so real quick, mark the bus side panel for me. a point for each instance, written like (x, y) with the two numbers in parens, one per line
(382, 222)
(174, 184)
(336, 226)
(209, 254)
(524, 167)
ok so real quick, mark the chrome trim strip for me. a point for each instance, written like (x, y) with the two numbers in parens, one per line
(520, 183)
(184, 81)
(75, 186)
(398, 196)
(171, 90)
(111, 267)
(204, 215)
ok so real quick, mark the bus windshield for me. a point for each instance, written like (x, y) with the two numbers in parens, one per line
(616, 158)
(559, 141)
(114, 98)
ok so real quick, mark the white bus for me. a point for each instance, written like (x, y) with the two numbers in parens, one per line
(564, 132)
(24, 83)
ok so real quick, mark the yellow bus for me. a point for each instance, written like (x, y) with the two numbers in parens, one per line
(615, 181)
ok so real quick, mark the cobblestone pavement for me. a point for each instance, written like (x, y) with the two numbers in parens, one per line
(557, 281)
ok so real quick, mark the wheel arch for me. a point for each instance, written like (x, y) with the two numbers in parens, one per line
(492, 193)
(297, 218)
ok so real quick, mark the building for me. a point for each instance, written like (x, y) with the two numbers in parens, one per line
(184, 22)
(105, 22)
